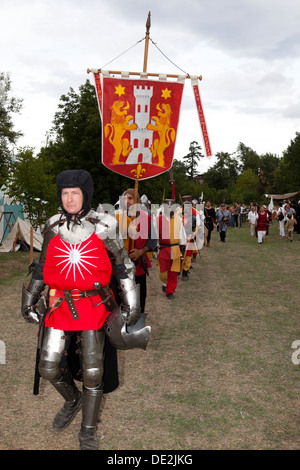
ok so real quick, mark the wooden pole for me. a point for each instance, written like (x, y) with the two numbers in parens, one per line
(148, 25)
(31, 244)
(150, 74)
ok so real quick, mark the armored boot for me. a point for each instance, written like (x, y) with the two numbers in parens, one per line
(91, 401)
(67, 413)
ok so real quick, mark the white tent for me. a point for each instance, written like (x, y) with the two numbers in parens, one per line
(21, 232)
(282, 196)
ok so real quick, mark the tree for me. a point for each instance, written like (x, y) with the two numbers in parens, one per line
(75, 143)
(29, 183)
(268, 163)
(192, 159)
(287, 176)
(246, 189)
(224, 173)
(8, 136)
(249, 158)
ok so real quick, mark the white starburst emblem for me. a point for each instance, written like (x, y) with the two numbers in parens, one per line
(75, 259)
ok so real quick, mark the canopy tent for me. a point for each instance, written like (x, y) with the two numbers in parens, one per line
(21, 233)
(282, 196)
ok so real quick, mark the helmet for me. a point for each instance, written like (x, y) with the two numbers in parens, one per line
(76, 179)
(125, 337)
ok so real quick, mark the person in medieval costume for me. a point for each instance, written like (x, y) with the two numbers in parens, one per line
(262, 224)
(191, 223)
(81, 253)
(140, 239)
(172, 241)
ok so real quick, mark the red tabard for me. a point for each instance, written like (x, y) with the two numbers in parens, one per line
(262, 221)
(79, 266)
(140, 232)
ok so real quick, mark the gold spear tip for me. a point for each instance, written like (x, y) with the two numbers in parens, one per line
(148, 23)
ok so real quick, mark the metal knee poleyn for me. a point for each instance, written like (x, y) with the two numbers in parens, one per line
(52, 350)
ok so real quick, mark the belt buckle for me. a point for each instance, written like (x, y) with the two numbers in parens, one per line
(78, 294)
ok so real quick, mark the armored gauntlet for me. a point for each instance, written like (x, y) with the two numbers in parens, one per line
(33, 303)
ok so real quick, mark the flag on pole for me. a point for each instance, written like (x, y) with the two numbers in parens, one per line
(139, 123)
(194, 82)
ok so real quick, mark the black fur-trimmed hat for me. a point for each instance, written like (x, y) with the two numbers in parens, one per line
(76, 179)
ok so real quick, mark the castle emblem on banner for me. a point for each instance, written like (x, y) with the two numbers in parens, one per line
(139, 125)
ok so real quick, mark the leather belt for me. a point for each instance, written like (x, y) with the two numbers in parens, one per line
(166, 245)
(72, 296)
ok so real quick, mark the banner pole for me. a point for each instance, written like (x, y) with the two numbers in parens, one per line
(148, 25)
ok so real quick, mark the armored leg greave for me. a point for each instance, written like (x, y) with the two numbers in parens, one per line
(91, 346)
(66, 387)
(91, 401)
(52, 350)
(92, 343)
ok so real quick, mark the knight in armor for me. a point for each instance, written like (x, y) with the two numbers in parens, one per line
(82, 252)
(139, 237)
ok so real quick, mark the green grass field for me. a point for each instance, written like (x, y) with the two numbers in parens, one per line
(217, 374)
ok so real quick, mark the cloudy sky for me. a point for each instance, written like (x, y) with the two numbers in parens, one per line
(247, 51)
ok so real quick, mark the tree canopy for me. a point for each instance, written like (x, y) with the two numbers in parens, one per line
(192, 159)
(8, 136)
(74, 141)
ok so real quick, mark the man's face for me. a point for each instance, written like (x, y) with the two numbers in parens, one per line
(129, 200)
(72, 200)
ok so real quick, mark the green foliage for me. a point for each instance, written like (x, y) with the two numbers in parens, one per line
(247, 186)
(192, 159)
(8, 136)
(244, 177)
(30, 184)
(74, 142)
(287, 175)
(224, 173)
(248, 157)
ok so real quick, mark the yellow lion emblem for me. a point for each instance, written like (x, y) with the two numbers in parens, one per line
(165, 132)
(115, 130)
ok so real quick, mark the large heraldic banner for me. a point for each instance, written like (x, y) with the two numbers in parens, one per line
(139, 125)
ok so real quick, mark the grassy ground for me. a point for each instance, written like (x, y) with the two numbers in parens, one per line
(218, 371)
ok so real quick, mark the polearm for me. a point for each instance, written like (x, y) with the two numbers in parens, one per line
(148, 26)
(136, 181)
(172, 183)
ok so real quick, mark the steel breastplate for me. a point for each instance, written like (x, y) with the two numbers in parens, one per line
(76, 233)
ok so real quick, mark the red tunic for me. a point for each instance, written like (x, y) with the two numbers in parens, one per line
(169, 234)
(79, 266)
(140, 233)
(262, 221)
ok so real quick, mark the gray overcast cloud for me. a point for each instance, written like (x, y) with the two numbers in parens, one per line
(246, 50)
